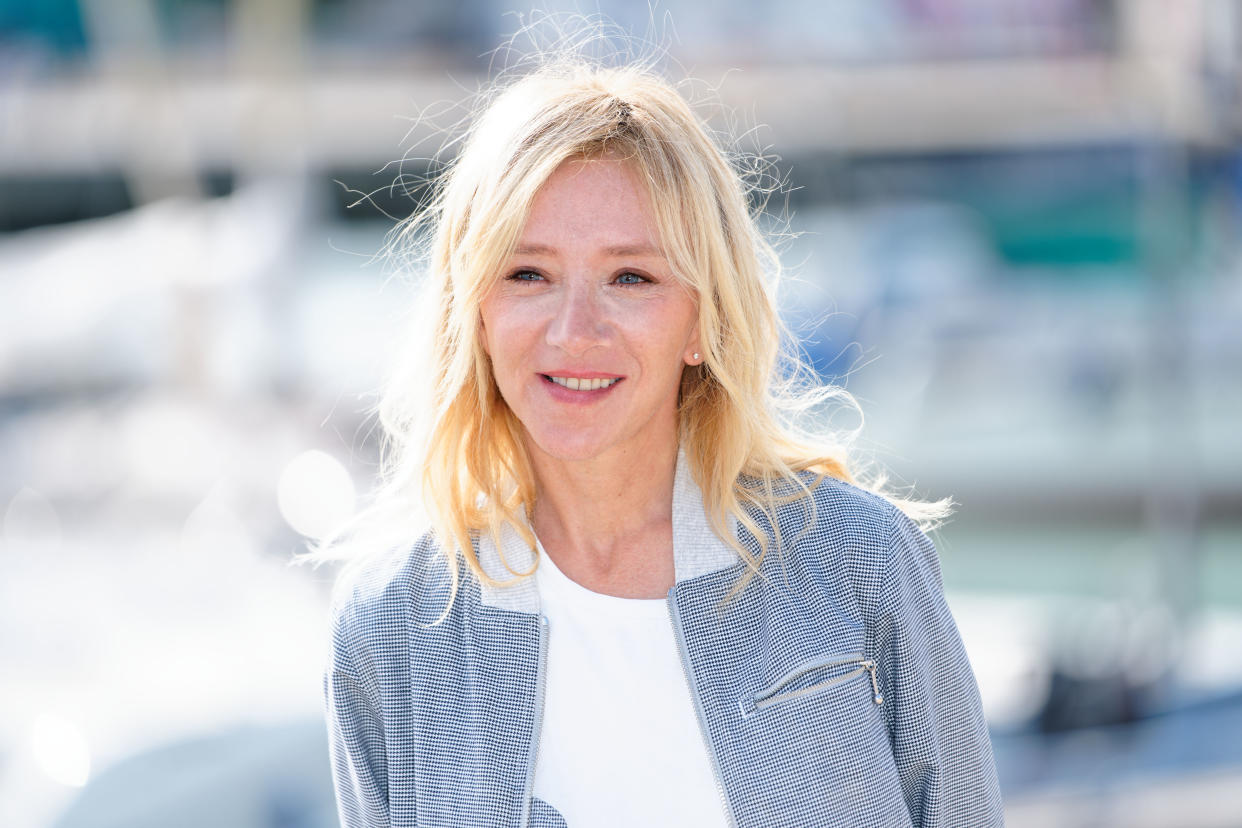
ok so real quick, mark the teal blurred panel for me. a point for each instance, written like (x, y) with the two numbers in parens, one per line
(55, 23)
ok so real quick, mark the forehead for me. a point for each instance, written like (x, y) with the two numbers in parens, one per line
(597, 202)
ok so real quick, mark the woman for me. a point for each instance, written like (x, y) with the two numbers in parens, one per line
(644, 599)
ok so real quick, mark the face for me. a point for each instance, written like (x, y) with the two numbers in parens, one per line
(587, 329)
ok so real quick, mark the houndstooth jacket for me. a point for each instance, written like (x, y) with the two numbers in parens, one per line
(833, 691)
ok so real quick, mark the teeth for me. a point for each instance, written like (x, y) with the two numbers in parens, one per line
(575, 384)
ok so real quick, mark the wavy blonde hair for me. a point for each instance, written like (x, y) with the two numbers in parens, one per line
(455, 446)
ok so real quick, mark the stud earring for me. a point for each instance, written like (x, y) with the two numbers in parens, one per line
(696, 356)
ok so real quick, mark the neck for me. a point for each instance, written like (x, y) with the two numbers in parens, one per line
(607, 521)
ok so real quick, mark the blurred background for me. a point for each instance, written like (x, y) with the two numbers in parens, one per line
(1017, 243)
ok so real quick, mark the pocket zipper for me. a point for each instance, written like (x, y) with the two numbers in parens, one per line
(773, 695)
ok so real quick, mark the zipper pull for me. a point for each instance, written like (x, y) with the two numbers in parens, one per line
(869, 666)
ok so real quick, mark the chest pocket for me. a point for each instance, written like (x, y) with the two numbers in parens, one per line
(812, 678)
(821, 723)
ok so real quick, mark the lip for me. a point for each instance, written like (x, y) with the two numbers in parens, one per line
(581, 375)
(565, 395)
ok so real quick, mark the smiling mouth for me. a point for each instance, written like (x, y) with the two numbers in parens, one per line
(576, 384)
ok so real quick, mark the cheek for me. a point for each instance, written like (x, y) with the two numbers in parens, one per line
(502, 337)
(491, 327)
(680, 326)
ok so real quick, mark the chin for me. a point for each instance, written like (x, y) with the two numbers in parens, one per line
(569, 447)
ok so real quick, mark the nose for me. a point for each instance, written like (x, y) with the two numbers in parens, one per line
(578, 322)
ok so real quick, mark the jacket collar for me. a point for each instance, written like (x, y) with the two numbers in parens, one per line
(697, 549)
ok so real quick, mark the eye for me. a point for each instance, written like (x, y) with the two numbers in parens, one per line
(524, 276)
(631, 278)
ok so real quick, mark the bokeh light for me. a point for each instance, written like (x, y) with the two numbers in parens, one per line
(60, 748)
(315, 493)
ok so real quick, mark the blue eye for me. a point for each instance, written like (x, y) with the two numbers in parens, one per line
(525, 276)
(630, 279)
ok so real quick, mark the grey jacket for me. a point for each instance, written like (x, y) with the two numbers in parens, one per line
(832, 691)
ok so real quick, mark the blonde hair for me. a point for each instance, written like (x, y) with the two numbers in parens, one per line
(458, 448)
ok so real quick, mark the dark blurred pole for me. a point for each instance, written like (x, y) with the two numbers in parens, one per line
(1173, 498)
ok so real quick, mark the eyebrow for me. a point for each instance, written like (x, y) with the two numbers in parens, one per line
(616, 250)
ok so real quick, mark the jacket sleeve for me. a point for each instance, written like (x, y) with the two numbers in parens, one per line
(931, 701)
(356, 743)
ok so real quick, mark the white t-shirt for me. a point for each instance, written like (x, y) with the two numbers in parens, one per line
(620, 743)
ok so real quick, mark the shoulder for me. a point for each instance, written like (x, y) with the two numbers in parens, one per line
(380, 597)
(842, 536)
(833, 512)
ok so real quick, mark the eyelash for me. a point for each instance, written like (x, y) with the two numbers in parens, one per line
(516, 276)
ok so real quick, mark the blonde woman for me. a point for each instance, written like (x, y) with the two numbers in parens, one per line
(644, 598)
